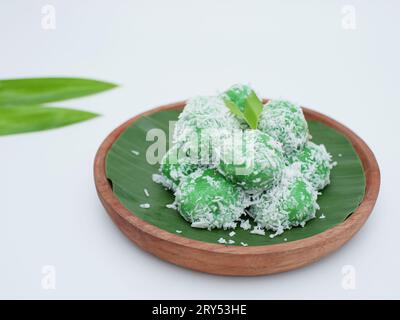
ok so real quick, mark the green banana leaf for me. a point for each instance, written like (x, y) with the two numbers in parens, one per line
(130, 174)
(36, 118)
(29, 91)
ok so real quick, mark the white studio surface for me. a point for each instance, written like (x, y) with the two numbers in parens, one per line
(52, 223)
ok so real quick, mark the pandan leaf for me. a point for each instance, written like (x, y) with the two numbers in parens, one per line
(31, 118)
(252, 109)
(234, 108)
(29, 91)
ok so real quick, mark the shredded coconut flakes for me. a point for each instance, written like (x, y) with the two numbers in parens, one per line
(257, 230)
(136, 153)
(222, 240)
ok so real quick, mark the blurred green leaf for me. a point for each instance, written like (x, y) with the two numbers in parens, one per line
(36, 118)
(15, 92)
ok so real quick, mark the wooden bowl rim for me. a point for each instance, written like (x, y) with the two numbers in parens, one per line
(359, 216)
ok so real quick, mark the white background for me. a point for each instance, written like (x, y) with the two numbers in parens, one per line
(160, 52)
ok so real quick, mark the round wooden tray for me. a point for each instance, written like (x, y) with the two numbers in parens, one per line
(235, 260)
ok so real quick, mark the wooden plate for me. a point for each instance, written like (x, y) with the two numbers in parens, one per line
(235, 260)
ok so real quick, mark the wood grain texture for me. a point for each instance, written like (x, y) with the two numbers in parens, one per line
(235, 260)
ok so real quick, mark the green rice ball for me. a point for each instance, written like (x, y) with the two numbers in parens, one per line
(207, 200)
(285, 122)
(204, 115)
(251, 159)
(316, 164)
(177, 164)
(289, 204)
